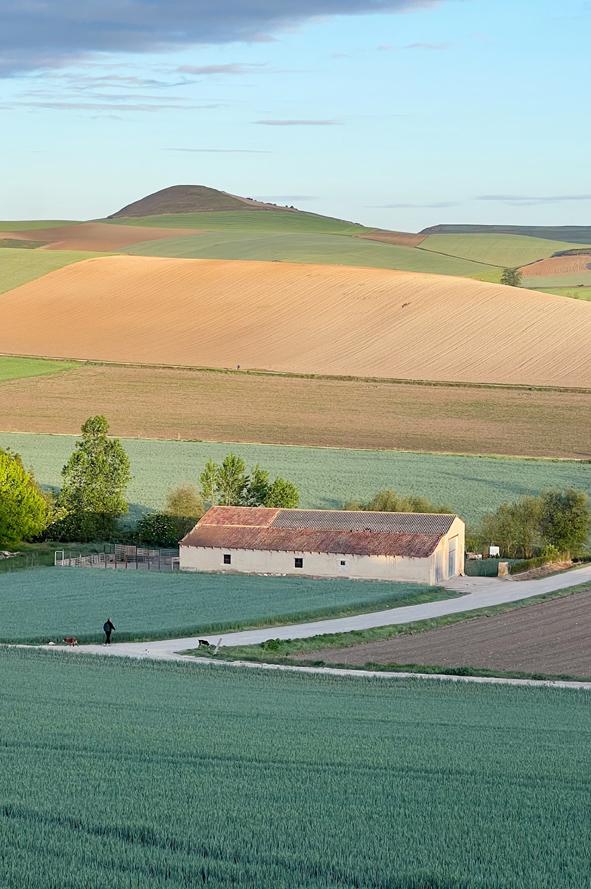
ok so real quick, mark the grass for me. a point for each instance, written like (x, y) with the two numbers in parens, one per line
(18, 368)
(19, 266)
(575, 234)
(247, 221)
(282, 650)
(570, 280)
(326, 249)
(572, 292)
(495, 249)
(285, 409)
(45, 604)
(160, 776)
(327, 477)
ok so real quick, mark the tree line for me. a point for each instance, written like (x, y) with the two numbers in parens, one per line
(95, 478)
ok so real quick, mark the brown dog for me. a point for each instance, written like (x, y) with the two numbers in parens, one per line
(70, 640)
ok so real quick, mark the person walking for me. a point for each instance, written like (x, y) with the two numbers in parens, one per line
(108, 628)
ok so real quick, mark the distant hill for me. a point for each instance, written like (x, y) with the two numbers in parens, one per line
(191, 199)
(577, 234)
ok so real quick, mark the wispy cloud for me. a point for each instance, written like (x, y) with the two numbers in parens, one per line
(106, 106)
(299, 123)
(232, 68)
(533, 200)
(50, 33)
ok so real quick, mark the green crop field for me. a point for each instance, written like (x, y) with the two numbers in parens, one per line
(247, 221)
(19, 266)
(568, 280)
(138, 775)
(327, 477)
(495, 249)
(18, 368)
(571, 292)
(331, 249)
(43, 604)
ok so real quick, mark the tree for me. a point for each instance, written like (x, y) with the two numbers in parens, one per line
(515, 527)
(390, 501)
(565, 520)
(209, 482)
(228, 484)
(25, 511)
(231, 480)
(162, 529)
(95, 480)
(282, 495)
(184, 502)
(511, 277)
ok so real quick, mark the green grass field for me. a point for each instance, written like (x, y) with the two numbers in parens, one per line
(18, 368)
(132, 774)
(327, 477)
(43, 604)
(571, 280)
(247, 221)
(571, 292)
(496, 249)
(328, 249)
(19, 266)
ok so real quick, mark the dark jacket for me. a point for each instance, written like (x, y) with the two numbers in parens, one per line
(108, 626)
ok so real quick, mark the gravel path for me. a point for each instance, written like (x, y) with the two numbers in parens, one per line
(479, 592)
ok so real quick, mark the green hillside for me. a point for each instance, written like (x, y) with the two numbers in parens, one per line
(571, 292)
(19, 266)
(246, 221)
(567, 280)
(496, 249)
(578, 234)
(326, 249)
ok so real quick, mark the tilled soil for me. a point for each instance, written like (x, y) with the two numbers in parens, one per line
(552, 638)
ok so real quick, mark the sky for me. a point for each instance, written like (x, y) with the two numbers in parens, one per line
(395, 113)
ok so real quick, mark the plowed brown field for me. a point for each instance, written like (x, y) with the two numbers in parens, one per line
(405, 239)
(97, 236)
(553, 637)
(279, 409)
(558, 265)
(289, 317)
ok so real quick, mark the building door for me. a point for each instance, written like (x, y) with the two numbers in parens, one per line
(438, 566)
(452, 557)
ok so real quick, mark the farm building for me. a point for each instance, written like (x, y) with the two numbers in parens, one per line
(324, 543)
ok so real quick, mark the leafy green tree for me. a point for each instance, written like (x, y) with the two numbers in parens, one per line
(257, 488)
(511, 277)
(228, 484)
(162, 529)
(515, 527)
(565, 520)
(95, 480)
(185, 502)
(209, 482)
(25, 511)
(282, 494)
(232, 480)
(390, 501)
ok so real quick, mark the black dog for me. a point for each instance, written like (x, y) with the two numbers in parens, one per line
(203, 643)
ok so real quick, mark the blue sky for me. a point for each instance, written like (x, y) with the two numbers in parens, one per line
(395, 113)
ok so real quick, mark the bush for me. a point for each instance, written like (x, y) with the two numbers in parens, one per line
(24, 509)
(162, 530)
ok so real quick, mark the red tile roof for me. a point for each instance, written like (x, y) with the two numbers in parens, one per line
(323, 531)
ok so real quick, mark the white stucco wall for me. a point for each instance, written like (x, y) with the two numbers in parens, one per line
(431, 570)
